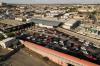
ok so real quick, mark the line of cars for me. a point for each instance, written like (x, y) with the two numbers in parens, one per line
(64, 43)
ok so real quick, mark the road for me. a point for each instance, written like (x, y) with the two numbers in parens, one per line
(95, 41)
(26, 57)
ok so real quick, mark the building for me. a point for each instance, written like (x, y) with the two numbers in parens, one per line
(71, 24)
(39, 15)
(7, 42)
(93, 30)
(14, 25)
(20, 19)
(98, 18)
(3, 4)
(53, 13)
(0, 3)
(57, 57)
(65, 16)
(45, 23)
(84, 10)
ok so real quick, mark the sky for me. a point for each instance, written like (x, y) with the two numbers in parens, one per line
(54, 1)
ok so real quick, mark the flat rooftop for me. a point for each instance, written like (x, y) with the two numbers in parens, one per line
(45, 22)
(11, 22)
(71, 22)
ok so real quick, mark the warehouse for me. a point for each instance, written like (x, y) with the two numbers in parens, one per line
(19, 27)
(71, 24)
(46, 23)
(13, 25)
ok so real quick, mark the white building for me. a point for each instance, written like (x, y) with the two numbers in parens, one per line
(28, 19)
(19, 19)
(71, 24)
(43, 25)
(7, 42)
(86, 10)
(65, 16)
(54, 12)
(38, 15)
(0, 3)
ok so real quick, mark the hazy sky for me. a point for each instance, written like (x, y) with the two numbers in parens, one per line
(53, 1)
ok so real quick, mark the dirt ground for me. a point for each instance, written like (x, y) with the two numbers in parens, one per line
(27, 57)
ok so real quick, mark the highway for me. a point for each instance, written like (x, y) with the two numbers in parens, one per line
(95, 41)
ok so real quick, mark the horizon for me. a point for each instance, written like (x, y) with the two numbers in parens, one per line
(52, 1)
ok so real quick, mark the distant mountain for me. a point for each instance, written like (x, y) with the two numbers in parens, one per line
(52, 1)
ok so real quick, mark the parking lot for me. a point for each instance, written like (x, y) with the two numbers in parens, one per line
(65, 43)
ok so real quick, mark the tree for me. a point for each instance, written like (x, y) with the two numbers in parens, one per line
(1, 37)
(94, 13)
(10, 34)
(73, 9)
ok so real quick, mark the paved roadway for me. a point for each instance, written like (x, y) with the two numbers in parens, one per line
(95, 41)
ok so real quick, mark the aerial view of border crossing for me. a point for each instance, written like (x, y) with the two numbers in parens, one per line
(49, 32)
